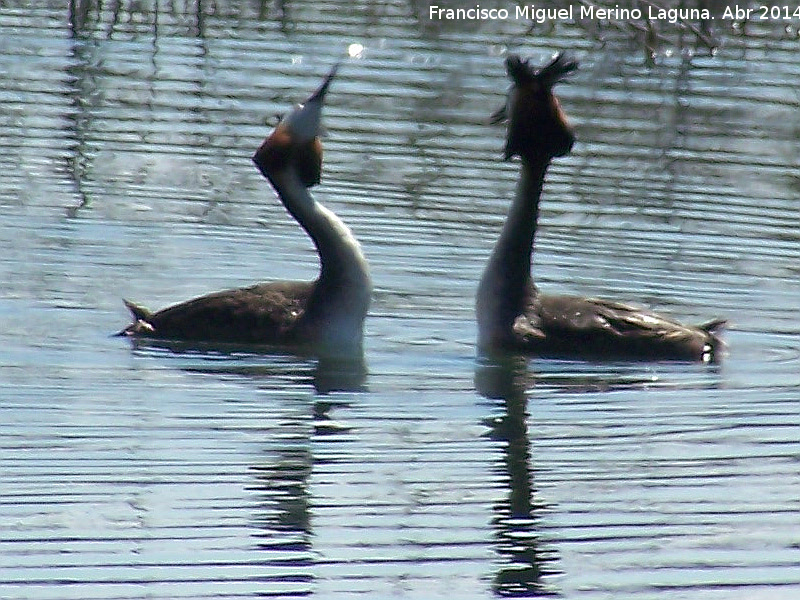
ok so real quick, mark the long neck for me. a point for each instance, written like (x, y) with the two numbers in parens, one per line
(512, 253)
(506, 285)
(340, 255)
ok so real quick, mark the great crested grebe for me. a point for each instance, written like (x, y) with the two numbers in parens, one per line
(324, 316)
(512, 314)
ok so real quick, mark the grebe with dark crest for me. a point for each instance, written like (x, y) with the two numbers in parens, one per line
(324, 316)
(513, 316)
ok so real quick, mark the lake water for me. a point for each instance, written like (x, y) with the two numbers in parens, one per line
(126, 130)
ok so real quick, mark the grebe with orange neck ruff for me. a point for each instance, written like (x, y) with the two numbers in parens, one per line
(513, 316)
(324, 316)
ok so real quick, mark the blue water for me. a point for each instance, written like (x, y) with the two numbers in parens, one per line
(135, 471)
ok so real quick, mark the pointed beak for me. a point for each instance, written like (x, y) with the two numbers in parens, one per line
(319, 95)
(304, 122)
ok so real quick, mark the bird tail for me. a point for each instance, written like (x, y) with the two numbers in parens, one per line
(715, 346)
(141, 320)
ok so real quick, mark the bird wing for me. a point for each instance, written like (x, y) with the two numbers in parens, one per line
(593, 316)
(261, 314)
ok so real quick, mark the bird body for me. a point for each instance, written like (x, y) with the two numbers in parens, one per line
(326, 315)
(513, 316)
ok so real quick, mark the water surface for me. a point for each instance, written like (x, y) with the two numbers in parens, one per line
(135, 471)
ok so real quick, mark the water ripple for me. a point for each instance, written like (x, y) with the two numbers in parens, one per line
(133, 470)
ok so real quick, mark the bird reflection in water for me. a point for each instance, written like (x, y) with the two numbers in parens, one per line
(326, 374)
(504, 380)
(280, 477)
(282, 518)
